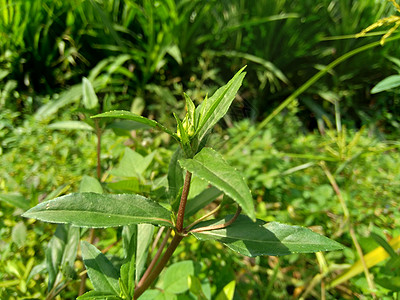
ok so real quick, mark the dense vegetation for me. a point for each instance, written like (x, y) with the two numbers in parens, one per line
(327, 159)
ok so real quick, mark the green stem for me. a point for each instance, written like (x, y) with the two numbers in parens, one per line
(303, 88)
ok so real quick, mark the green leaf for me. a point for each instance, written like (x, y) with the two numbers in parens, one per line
(68, 125)
(61, 252)
(259, 238)
(95, 295)
(157, 295)
(90, 184)
(18, 234)
(190, 110)
(99, 210)
(101, 272)
(175, 174)
(132, 164)
(210, 166)
(201, 200)
(16, 200)
(384, 244)
(122, 114)
(227, 292)
(127, 279)
(89, 96)
(212, 110)
(388, 83)
(176, 277)
(130, 185)
(144, 237)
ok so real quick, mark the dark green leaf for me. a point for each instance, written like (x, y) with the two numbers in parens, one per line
(99, 210)
(175, 174)
(210, 166)
(384, 244)
(212, 110)
(122, 114)
(128, 277)
(16, 200)
(101, 272)
(259, 238)
(388, 83)
(90, 184)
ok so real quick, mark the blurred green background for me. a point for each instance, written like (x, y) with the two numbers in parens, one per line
(141, 56)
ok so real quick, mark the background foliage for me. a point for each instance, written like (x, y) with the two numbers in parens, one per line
(141, 56)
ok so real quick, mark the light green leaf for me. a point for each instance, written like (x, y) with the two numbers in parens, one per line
(144, 237)
(388, 83)
(61, 252)
(89, 96)
(99, 210)
(157, 295)
(259, 238)
(212, 110)
(130, 185)
(16, 200)
(127, 279)
(95, 295)
(227, 292)
(132, 164)
(102, 273)
(176, 277)
(90, 184)
(18, 234)
(69, 125)
(122, 114)
(210, 166)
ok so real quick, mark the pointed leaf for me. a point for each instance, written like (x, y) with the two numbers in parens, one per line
(99, 210)
(388, 83)
(102, 273)
(227, 292)
(253, 239)
(122, 114)
(210, 166)
(128, 277)
(218, 104)
(89, 98)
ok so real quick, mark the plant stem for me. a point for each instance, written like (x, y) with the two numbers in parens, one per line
(139, 290)
(182, 204)
(155, 258)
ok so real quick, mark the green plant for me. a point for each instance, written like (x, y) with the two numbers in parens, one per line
(242, 233)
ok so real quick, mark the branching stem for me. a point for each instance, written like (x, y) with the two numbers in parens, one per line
(220, 226)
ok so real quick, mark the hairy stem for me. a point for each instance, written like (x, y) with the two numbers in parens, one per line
(182, 204)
